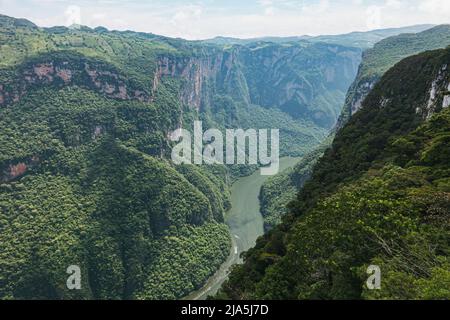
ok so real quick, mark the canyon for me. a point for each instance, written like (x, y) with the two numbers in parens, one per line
(86, 174)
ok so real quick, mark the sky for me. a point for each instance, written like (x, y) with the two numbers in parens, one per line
(204, 19)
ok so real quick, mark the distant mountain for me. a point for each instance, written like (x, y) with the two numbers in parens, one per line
(368, 39)
(380, 196)
(9, 22)
(362, 40)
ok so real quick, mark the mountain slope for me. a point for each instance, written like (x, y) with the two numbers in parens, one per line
(306, 82)
(379, 196)
(84, 178)
(85, 171)
(280, 190)
(375, 63)
(383, 56)
(82, 185)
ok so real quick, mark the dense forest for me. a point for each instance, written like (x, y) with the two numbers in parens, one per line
(86, 177)
(97, 194)
(378, 196)
(279, 191)
(85, 171)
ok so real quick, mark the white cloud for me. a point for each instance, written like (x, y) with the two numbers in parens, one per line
(73, 16)
(435, 7)
(373, 17)
(269, 11)
(199, 19)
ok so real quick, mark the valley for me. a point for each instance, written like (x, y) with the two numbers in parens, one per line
(378, 196)
(245, 222)
(87, 177)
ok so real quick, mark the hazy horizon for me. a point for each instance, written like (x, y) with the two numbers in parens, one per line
(207, 19)
(229, 37)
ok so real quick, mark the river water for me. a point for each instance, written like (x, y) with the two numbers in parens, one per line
(245, 223)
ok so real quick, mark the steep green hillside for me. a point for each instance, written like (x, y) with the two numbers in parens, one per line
(84, 183)
(380, 195)
(85, 175)
(375, 63)
(280, 190)
(306, 82)
(84, 178)
(383, 56)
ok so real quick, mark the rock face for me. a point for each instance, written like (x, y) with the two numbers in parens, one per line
(60, 70)
(212, 67)
(437, 93)
(359, 93)
(305, 81)
(446, 100)
(382, 57)
(15, 170)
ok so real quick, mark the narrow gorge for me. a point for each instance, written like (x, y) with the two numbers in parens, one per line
(87, 178)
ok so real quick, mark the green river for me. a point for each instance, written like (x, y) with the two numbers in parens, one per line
(245, 222)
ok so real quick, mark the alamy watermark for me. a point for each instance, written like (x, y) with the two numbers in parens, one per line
(74, 280)
(374, 281)
(241, 147)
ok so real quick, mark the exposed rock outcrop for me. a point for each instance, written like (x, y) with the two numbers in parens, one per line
(15, 170)
(287, 77)
(438, 94)
(68, 69)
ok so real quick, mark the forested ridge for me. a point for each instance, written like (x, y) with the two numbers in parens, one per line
(85, 171)
(282, 189)
(378, 196)
(107, 190)
(86, 177)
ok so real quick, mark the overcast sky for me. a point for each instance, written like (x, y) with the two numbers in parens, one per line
(203, 19)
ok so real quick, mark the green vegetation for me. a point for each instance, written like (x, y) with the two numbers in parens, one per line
(278, 192)
(84, 175)
(384, 55)
(379, 196)
(107, 203)
(183, 260)
(83, 171)
(282, 189)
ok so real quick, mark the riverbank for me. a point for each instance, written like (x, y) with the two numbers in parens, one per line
(245, 222)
